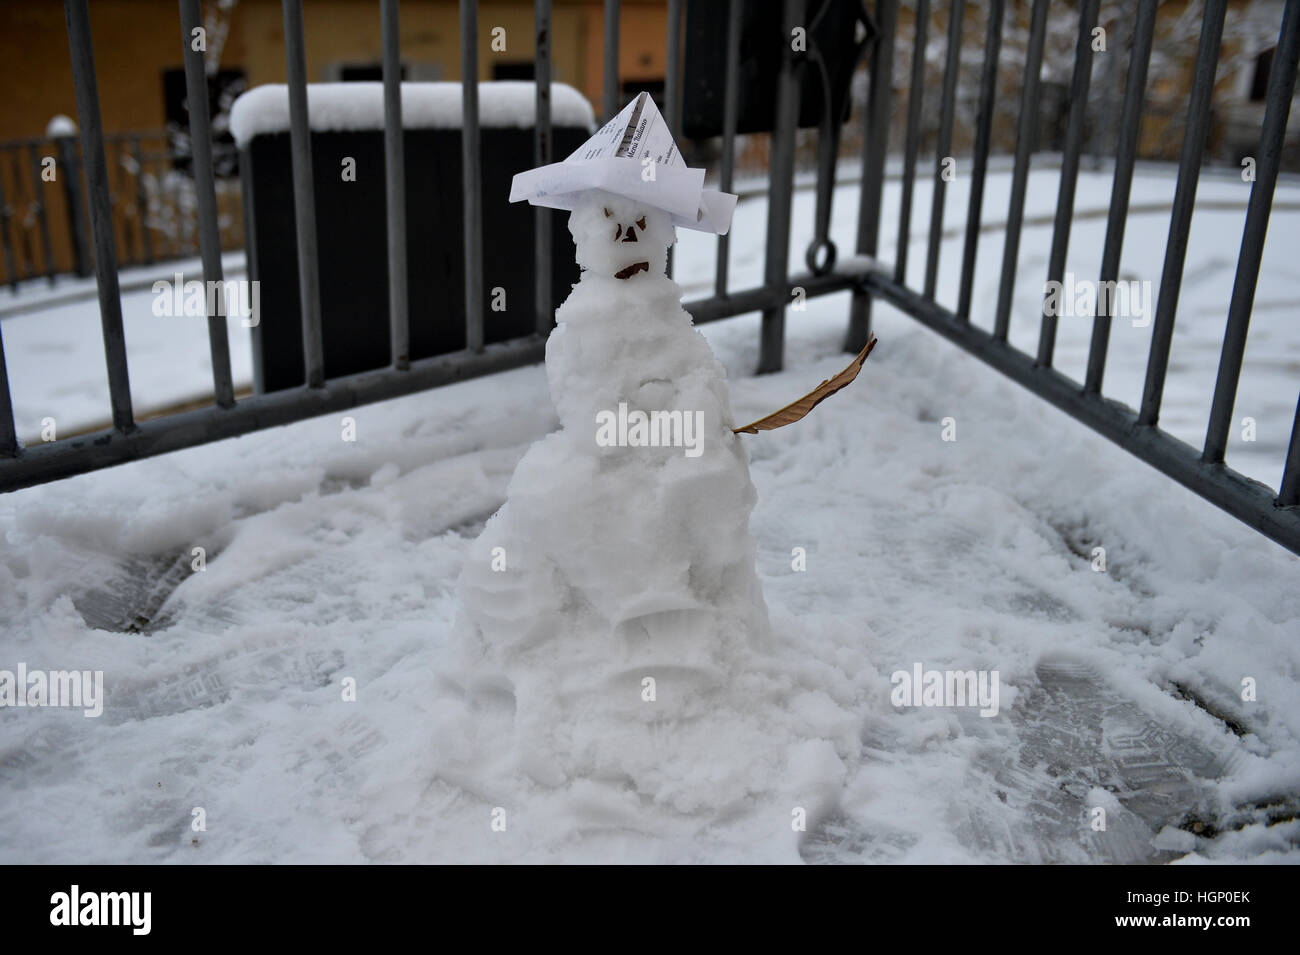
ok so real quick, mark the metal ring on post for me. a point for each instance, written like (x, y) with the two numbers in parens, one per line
(820, 244)
(820, 256)
(827, 153)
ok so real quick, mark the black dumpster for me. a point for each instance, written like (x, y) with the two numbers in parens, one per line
(351, 224)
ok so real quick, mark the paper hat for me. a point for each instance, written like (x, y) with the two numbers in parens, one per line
(613, 160)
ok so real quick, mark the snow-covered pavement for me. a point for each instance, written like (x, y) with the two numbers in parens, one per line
(327, 559)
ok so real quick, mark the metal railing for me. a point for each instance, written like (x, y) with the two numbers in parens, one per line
(44, 228)
(1274, 514)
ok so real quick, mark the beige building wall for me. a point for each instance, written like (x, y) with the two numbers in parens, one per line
(137, 40)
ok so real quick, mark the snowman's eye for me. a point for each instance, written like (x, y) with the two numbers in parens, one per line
(640, 223)
(607, 213)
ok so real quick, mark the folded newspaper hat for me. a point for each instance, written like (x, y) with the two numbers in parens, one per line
(614, 160)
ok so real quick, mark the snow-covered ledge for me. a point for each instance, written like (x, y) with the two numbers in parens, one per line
(336, 107)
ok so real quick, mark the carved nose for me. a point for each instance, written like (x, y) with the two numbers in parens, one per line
(629, 235)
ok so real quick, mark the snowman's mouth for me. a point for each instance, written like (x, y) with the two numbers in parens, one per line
(632, 270)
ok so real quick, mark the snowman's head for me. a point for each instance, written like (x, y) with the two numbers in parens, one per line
(619, 237)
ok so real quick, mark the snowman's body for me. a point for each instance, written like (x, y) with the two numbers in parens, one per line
(612, 564)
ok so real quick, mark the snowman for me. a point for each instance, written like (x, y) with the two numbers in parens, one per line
(613, 599)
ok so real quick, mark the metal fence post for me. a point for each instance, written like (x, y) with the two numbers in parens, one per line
(8, 433)
(1026, 133)
(673, 84)
(776, 263)
(610, 52)
(101, 215)
(42, 213)
(471, 175)
(983, 135)
(142, 202)
(395, 187)
(912, 139)
(730, 117)
(66, 144)
(543, 294)
(1272, 138)
(951, 68)
(1121, 186)
(304, 195)
(1180, 220)
(6, 219)
(875, 145)
(205, 194)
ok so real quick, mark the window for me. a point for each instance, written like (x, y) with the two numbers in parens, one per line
(364, 72)
(521, 70)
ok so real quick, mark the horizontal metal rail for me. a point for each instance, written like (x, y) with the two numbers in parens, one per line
(101, 449)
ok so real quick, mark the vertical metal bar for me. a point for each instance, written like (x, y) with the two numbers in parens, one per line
(175, 243)
(544, 296)
(125, 253)
(1180, 221)
(875, 145)
(74, 205)
(1111, 98)
(395, 187)
(304, 195)
(142, 203)
(781, 189)
(673, 85)
(673, 68)
(1025, 135)
(1281, 87)
(820, 252)
(611, 60)
(471, 175)
(1069, 171)
(248, 202)
(23, 245)
(6, 221)
(1288, 494)
(730, 117)
(42, 213)
(101, 216)
(951, 66)
(22, 241)
(983, 136)
(23, 238)
(1120, 190)
(205, 189)
(8, 433)
(913, 140)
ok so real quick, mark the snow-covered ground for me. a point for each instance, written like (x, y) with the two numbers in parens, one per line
(329, 559)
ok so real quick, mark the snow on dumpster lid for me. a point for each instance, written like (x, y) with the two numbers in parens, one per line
(335, 107)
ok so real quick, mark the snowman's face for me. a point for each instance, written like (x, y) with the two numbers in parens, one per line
(619, 237)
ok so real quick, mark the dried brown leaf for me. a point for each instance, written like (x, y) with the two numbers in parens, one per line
(796, 410)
